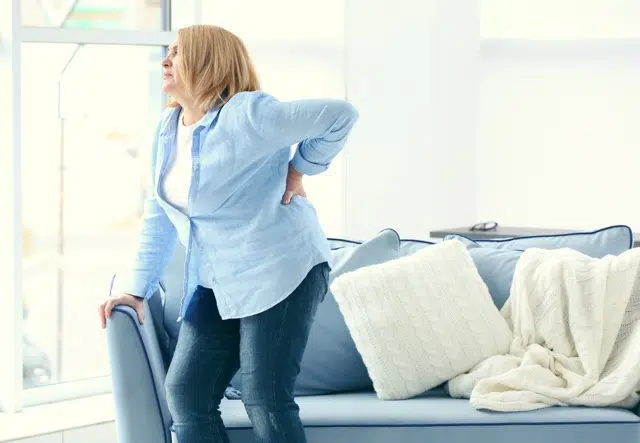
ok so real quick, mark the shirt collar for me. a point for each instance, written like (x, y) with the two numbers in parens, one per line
(170, 124)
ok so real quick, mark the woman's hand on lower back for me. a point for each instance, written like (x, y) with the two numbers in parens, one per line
(136, 303)
(294, 185)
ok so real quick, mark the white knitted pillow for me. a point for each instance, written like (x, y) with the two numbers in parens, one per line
(420, 320)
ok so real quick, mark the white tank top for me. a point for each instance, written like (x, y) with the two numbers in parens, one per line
(177, 179)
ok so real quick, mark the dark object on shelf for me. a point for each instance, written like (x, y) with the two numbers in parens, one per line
(484, 226)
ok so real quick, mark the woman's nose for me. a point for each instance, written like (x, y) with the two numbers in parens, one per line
(165, 62)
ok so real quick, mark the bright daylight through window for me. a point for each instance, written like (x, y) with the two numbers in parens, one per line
(81, 219)
(89, 104)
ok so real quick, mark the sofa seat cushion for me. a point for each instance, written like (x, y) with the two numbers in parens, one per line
(431, 409)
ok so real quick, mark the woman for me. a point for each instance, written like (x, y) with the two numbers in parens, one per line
(257, 258)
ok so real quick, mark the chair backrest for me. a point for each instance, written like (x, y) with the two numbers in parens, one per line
(165, 304)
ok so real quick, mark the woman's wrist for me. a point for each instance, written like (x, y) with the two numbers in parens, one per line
(294, 173)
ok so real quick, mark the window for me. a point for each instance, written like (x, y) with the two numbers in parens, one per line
(82, 179)
(82, 79)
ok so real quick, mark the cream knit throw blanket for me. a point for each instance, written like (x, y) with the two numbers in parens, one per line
(576, 336)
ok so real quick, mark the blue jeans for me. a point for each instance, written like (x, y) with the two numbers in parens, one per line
(266, 348)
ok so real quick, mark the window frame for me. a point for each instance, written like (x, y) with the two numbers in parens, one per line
(13, 34)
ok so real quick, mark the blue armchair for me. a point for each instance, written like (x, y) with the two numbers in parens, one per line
(139, 357)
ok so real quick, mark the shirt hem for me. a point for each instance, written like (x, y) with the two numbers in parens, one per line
(287, 293)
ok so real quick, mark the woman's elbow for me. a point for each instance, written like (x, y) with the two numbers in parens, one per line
(348, 116)
(352, 112)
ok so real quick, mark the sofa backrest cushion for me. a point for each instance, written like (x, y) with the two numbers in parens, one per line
(612, 240)
(496, 259)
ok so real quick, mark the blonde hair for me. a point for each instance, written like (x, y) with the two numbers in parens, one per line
(215, 65)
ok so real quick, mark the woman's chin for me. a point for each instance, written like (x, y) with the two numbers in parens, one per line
(169, 87)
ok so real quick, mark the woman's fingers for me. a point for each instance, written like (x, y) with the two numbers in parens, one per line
(105, 309)
(140, 311)
(288, 195)
(108, 308)
(103, 319)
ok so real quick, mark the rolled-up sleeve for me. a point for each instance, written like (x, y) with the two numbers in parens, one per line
(319, 128)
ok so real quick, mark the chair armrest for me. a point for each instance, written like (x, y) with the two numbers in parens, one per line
(138, 374)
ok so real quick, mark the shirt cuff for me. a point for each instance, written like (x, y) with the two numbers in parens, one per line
(305, 166)
(137, 286)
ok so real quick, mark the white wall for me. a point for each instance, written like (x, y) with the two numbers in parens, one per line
(521, 112)
(558, 144)
(558, 139)
(412, 72)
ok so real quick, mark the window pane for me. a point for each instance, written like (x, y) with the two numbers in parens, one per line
(87, 129)
(565, 19)
(94, 14)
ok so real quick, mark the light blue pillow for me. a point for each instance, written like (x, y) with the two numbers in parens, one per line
(612, 240)
(496, 267)
(409, 246)
(331, 363)
(496, 259)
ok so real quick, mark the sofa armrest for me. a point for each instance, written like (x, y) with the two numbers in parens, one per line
(138, 374)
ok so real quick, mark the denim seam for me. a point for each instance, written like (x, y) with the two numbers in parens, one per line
(212, 422)
(278, 342)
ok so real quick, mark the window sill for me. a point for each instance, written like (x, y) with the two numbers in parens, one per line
(56, 417)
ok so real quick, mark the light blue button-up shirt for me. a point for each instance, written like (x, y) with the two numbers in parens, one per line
(240, 240)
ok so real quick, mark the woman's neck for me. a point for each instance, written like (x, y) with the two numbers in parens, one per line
(191, 114)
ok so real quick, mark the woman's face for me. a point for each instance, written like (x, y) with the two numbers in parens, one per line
(171, 81)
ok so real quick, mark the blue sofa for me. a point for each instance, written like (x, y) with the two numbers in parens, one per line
(336, 398)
